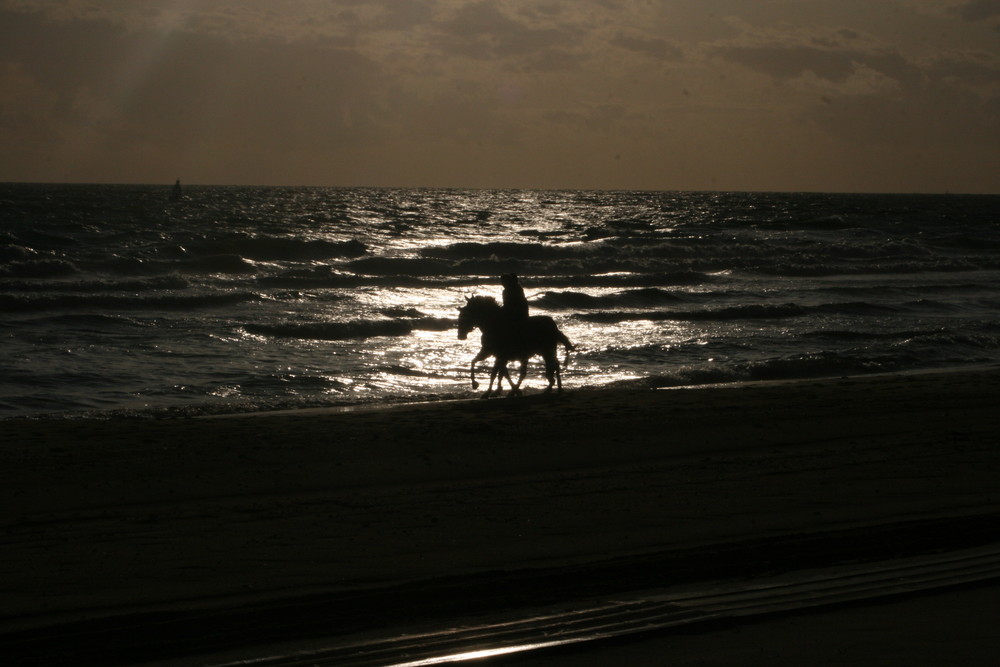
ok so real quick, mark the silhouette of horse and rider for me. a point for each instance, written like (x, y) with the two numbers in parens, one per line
(509, 334)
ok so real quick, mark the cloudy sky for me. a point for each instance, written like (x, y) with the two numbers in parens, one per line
(825, 95)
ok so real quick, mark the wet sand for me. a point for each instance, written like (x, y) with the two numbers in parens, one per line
(953, 627)
(230, 529)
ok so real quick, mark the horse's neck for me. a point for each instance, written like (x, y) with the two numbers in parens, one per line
(490, 317)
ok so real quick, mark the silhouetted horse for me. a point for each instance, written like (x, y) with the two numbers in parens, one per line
(508, 342)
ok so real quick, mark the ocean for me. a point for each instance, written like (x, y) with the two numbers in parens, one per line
(122, 301)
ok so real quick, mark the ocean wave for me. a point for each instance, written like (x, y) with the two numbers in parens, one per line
(170, 282)
(494, 266)
(945, 341)
(333, 277)
(350, 330)
(612, 228)
(930, 341)
(101, 283)
(25, 303)
(930, 305)
(36, 240)
(86, 321)
(10, 252)
(398, 312)
(797, 367)
(853, 336)
(236, 257)
(268, 384)
(854, 308)
(963, 242)
(629, 279)
(615, 256)
(271, 248)
(630, 298)
(143, 266)
(748, 312)
(311, 276)
(234, 264)
(819, 267)
(510, 250)
(369, 274)
(38, 268)
(401, 266)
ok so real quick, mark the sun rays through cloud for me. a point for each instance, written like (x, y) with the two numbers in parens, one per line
(735, 95)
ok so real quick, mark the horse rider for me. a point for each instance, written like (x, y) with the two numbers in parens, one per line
(515, 304)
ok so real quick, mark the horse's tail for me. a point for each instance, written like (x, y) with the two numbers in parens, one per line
(561, 338)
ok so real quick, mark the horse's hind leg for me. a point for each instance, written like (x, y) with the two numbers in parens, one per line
(552, 372)
(524, 371)
(515, 387)
(493, 376)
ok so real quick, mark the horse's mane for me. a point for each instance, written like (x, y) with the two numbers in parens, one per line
(479, 300)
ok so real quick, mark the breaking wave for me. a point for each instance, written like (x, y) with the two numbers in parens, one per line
(350, 330)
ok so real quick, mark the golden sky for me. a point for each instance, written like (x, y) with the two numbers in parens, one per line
(817, 95)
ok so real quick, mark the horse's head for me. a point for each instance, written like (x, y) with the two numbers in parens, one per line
(464, 325)
(471, 315)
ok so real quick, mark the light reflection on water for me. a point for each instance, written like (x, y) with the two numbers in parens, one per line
(257, 297)
(481, 654)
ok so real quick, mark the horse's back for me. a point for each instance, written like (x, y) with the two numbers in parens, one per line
(542, 323)
(543, 332)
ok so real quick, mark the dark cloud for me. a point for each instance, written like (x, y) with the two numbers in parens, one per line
(836, 65)
(492, 93)
(978, 10)
(974, 68)
(653, 47)
(786, 62)
(457, 117)
(482, 30)
(932, 102)
(970, 68)
(551, 60)
(64, 54)
(920, 120)
(406, 15)
(190, 93)
(597, 119)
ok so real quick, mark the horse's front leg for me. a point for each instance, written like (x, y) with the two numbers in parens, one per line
(515, 387)
(479, 357)
(503, 372)
(495, 374)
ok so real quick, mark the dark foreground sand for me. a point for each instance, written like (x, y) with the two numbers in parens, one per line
(227, 530)
(942, 628)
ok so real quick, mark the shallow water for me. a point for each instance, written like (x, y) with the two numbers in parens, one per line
(115, 298)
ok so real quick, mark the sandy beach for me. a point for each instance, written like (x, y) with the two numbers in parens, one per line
(223, 530)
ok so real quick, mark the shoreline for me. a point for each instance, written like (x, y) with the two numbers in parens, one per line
(638, 385)
(211, 411)
(108, 519)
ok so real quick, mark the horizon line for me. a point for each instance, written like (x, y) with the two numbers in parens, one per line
(170, 184)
